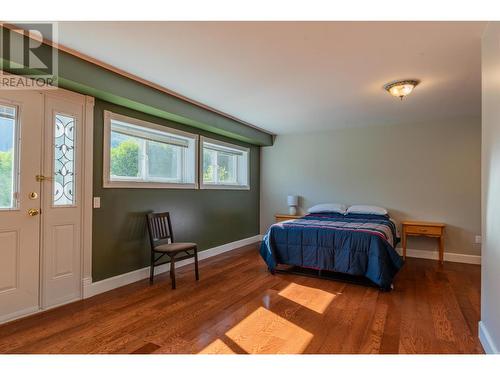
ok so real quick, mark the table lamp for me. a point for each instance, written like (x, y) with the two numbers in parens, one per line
(293, 202)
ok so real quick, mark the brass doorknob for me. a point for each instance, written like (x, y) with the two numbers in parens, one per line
(33, 211)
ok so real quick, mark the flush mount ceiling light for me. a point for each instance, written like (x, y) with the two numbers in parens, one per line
(400, 89)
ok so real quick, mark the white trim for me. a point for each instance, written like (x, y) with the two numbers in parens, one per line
(112, 184)
(107, 182)
(450, 257)
(86, 282)
(229, 146)
(224, 187)
(34, 310)
(88, 196)
(91, 289)
(486, 341)
(246, 154)
(108, 115)
(19, 314)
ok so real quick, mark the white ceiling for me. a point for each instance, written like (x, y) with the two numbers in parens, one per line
(299, 76)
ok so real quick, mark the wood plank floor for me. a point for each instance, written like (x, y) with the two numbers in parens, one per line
(238, 307)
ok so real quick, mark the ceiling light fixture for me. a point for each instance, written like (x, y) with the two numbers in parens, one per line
(400, 89)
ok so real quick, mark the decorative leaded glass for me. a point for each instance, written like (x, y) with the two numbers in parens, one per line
(64, 160)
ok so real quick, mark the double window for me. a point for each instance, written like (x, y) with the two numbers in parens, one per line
(145, 155)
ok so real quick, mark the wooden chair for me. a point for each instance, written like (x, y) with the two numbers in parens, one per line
(162, 242)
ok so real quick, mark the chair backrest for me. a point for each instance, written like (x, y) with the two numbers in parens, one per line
(159, 228)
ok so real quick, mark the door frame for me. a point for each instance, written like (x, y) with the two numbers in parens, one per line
(87, 171)
(87, 196)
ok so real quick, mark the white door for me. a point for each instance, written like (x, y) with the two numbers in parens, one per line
(21, 127)
(41, 190)
(61, 198)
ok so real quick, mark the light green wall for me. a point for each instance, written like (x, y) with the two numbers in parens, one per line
(421, 171)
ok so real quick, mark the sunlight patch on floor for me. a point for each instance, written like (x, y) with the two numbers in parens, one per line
(217, 347)
(314, 299)
(266, 332)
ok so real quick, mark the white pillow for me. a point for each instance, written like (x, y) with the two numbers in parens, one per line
(363, 209)
(328, 207)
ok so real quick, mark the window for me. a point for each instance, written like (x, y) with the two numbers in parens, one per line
(142, 154)
(8, 157)
(224, 166)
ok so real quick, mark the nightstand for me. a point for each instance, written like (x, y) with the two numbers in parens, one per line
(426, 229)
(283, 217)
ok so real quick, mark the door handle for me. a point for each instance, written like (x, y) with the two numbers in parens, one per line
(41, 178)
(33, 211)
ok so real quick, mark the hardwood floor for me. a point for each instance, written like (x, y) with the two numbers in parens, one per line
(238, 307)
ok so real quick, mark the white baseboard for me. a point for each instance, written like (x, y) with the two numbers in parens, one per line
(19, 314)
(485, 338)
(434, 255)
(91, 289)
(450, 257)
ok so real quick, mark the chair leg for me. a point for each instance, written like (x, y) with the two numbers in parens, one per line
(152, 268)
(196, 264)
(172, 270)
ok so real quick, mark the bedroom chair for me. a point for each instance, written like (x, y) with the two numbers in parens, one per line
(162, 242)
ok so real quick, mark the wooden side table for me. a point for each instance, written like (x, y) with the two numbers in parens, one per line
(283, 217)
(426, 229)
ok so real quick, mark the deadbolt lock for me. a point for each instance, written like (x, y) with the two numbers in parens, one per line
(33, 195)
(41, 178)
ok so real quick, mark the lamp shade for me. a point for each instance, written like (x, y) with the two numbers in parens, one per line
(293, 200)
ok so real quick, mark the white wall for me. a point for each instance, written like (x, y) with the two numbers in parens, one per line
(422, 171)
(490, 275)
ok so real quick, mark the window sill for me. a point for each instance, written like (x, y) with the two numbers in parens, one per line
(224, 187)
(146, 185)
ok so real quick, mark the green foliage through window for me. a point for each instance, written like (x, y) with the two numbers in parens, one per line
(125, 159)
(6, 167)
(209, 158)
(208, 173)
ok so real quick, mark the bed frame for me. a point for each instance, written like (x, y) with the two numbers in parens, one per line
(328, 275)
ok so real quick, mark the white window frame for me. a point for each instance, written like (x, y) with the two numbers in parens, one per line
(204, 185)
(16, 175)
(128, 182)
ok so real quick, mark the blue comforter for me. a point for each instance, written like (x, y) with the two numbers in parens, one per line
(355, 244)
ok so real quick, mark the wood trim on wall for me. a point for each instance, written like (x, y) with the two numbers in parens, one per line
(133, 77)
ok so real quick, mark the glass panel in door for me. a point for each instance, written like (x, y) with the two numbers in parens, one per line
(64, 160)
(8, 157)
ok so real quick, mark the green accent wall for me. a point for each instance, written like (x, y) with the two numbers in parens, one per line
(207, 217)
(90, 79)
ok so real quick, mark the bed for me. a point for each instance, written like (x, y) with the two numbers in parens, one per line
(359, 245)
